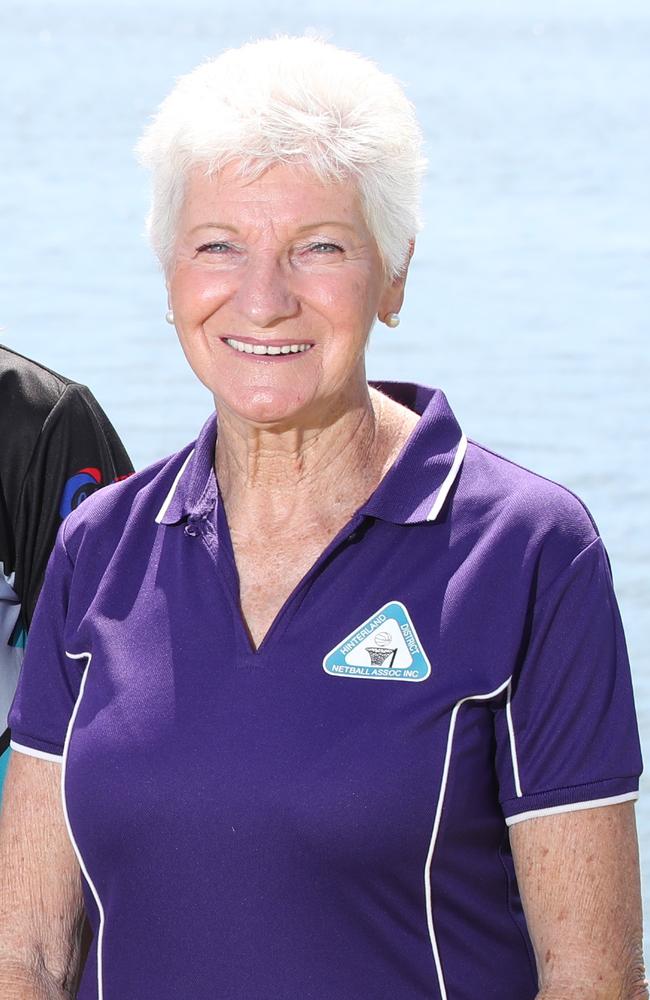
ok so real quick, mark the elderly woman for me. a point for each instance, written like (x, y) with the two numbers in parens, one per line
(338, 702)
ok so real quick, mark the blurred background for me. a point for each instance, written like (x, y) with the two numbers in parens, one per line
(529, 294)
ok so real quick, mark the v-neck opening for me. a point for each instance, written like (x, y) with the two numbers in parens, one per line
(225, 541)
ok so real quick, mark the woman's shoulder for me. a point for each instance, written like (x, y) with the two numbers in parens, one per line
(523, 507)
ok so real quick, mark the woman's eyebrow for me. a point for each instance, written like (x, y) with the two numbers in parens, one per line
(325, 222)
(301, 229)
(214, 225)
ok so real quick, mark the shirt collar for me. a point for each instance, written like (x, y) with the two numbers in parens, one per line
(416, 486)
(414, 489)
(193, 492)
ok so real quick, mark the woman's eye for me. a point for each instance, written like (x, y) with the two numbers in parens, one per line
(325, 248)
(218, 248)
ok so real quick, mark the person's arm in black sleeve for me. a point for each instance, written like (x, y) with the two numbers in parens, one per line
(77, 453)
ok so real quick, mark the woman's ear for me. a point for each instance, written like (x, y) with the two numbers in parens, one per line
(393, 297)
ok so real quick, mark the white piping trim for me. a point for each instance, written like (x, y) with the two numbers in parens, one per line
(100, 932)
(612, 800)
(30, 752)
(513, 745)
(449, 479)
(170, 496)
(436, 825)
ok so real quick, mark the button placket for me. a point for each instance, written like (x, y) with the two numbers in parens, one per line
(196, 525)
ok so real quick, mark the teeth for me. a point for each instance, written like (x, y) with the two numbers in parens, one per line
(267, 349)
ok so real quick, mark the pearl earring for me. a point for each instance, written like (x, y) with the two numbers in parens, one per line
(392, 320)
(169, 316)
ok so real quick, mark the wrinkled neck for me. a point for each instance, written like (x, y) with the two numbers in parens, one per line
(280, 468)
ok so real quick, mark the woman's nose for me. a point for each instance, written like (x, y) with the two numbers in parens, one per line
(264, 295)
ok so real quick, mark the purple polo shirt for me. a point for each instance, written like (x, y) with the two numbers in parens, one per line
(326, 817)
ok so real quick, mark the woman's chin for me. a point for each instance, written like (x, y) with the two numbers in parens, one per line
(266, 406)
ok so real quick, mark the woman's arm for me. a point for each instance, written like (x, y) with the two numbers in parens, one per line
(41, 904)
(578, 874)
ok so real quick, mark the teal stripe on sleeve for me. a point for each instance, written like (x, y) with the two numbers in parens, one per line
(4, 760)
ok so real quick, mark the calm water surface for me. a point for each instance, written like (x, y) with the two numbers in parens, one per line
(529, 295)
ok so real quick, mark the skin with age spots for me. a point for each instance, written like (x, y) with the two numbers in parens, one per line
(578, 875)
(41, 883)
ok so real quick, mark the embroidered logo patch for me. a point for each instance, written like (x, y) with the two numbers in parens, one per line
(385, 647)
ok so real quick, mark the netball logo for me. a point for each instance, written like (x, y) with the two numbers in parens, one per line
(385, 647)
(381, 654)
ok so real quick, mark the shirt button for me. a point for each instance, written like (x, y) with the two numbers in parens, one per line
(191, 530)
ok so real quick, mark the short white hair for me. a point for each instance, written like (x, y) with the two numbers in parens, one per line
(290, 100)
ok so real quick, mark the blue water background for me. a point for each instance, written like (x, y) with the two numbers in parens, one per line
(529, 295)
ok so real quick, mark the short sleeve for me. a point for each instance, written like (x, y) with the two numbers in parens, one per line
(567, 735)
(50, 679)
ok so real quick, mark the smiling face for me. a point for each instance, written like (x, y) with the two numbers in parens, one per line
(274, 285)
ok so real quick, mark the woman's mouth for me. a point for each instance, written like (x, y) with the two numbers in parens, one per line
(267, 350)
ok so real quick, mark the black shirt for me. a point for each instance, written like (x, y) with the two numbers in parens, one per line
(56, 448)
